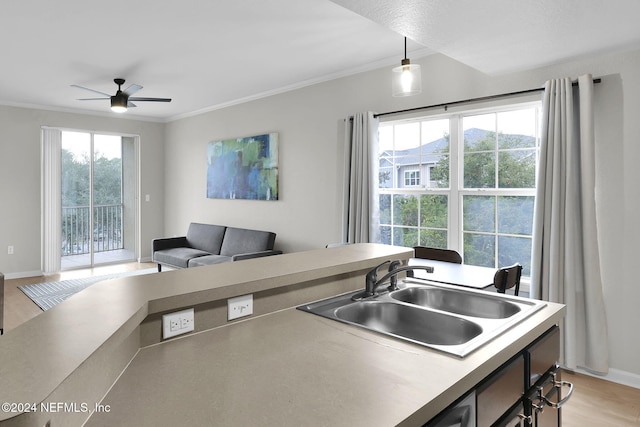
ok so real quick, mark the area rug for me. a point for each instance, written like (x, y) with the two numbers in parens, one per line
(47, 295)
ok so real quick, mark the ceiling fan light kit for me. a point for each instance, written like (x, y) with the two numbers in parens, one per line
(406, 80)
(122, 100)
(118, 104)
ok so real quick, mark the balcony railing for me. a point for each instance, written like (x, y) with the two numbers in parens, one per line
(77, 235)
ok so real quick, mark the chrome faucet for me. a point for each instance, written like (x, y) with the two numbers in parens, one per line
(372, 283)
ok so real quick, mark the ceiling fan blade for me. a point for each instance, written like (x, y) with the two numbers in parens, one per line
(91, 90)
(132, 89)
(131, 104)
(150, 99)
(91, 99)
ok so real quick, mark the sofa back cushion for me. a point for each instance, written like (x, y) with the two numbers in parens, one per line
(242, 241)
(206, 237)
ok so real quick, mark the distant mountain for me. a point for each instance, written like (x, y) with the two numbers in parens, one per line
(472, 137)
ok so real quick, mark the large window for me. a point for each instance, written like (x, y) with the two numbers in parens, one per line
(464, 181)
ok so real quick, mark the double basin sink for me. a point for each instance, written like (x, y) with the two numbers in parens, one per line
(446, 318)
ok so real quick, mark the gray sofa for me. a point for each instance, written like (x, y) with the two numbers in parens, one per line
(207, 244)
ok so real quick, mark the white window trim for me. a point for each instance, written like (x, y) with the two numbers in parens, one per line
(414, 178)
(455, 192)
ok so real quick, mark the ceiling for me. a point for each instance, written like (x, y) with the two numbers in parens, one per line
(210, 54)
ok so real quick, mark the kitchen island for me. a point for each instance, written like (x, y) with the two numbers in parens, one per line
(279, 366)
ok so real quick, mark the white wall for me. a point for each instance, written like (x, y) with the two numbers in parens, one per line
(20, 178)
(309, 122)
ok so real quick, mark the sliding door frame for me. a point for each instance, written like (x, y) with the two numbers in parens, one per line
(51, 200)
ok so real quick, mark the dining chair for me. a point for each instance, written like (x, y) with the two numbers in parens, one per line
(507, 278)
(437, 254)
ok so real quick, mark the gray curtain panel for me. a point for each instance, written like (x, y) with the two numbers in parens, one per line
(565, 255)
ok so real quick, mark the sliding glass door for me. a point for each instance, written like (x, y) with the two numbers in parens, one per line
(98, 199)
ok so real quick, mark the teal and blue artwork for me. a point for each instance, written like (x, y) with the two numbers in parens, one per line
(243, 168)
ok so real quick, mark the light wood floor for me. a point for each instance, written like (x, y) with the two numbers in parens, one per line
(18, 308)
(595, 402)
(600, 403)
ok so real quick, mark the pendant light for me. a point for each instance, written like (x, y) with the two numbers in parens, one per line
(406, 79)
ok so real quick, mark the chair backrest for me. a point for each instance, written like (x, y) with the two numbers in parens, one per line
(508, 277)
(447, 255)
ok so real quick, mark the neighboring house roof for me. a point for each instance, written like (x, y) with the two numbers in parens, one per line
(430, 153)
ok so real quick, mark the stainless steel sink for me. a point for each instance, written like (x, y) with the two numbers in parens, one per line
(458, 301)
(410, 323)
(447, 318)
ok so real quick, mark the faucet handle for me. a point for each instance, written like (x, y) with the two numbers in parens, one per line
(393, 280)
(373, 273)
(395, 264)
(372, 278)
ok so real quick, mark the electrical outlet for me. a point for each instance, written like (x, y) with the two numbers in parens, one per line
(177, 323)
(240, 306)
(10, 250)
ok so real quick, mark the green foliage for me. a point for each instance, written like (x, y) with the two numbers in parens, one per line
(76, 180)
(516, 162)
(107, 190)
(427, 224)
(479, 249)
(434, 210)
(107, 181)
(440, 172)
(405, 210)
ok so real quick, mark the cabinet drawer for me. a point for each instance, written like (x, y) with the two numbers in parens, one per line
(544, 354)
(500, 392)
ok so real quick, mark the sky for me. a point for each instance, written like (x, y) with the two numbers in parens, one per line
(110, 146)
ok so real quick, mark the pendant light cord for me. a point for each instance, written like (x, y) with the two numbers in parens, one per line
(405, 48)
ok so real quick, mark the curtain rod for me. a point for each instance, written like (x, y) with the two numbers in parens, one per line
(466, 101)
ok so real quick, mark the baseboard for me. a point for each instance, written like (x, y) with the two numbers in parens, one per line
(616, 376)
(20, 275)
(145, 259)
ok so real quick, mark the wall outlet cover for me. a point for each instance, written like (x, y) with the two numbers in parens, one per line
(240, 306)
(178, 323)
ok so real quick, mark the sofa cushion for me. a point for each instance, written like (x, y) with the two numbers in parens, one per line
(208, 260)
(206, 237)
(241, 241)
(178, 257)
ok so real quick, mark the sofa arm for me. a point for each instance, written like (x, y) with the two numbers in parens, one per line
(239, 257)
(168, 243)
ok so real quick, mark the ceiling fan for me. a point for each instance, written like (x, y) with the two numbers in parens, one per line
(122, 99)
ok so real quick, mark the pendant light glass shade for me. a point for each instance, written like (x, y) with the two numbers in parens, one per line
(406, 80)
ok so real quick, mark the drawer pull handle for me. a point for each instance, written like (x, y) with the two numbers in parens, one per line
(526, 418)
(558, 385)
(543, 400)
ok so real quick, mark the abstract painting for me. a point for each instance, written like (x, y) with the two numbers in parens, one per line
(243, 168)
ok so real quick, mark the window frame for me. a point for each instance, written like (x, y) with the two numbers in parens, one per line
(414, 178)
(456, 191)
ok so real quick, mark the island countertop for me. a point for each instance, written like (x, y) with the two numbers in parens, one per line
(281, 366)
(292, 368)
(73, 353)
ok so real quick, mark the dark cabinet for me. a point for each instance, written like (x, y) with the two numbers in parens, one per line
(525, 391)
(543, 397)
(502, 390)
(460, 414)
